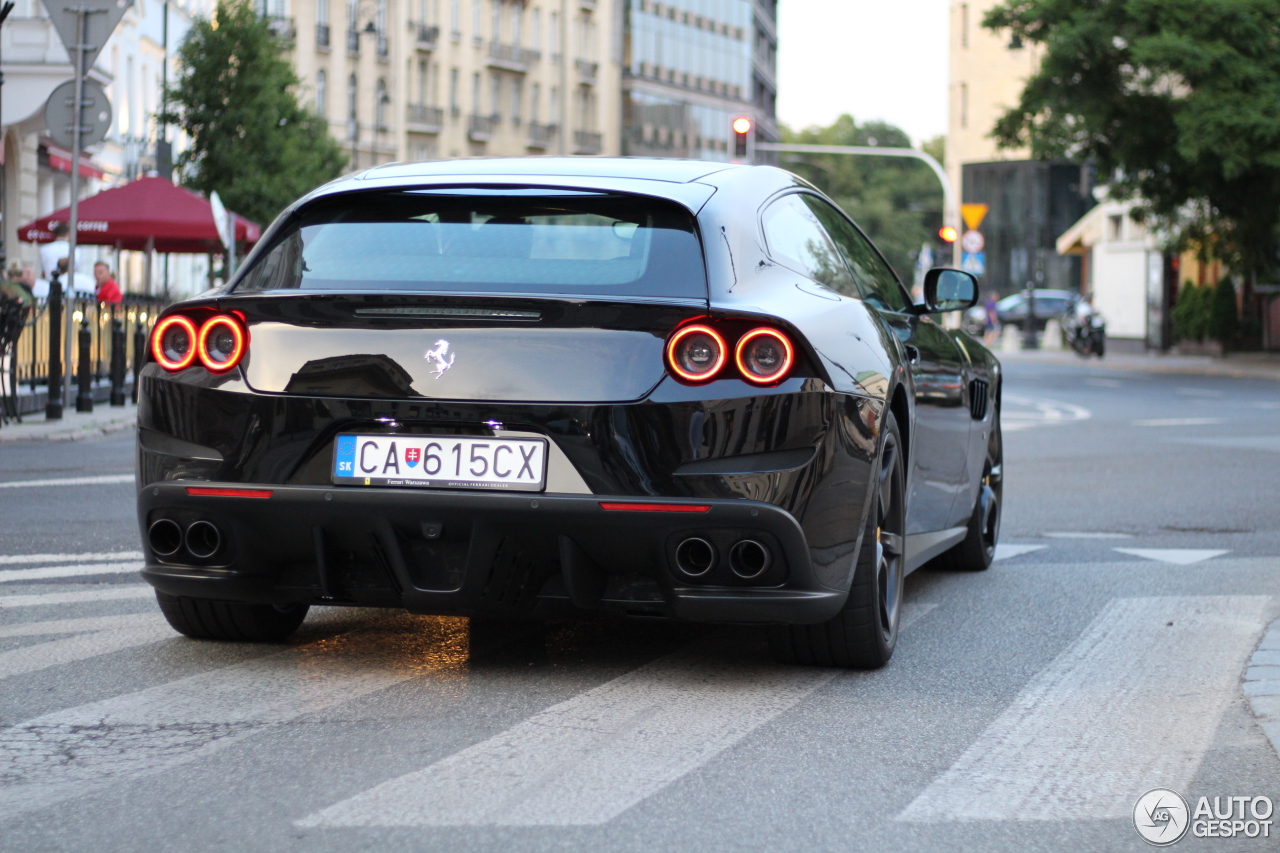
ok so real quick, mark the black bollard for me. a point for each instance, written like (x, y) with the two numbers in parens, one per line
(84, 397)
(117, 362)
(53, 405)
(139, 354)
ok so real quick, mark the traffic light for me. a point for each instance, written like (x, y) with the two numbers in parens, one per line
(741, 128)
(948, 233)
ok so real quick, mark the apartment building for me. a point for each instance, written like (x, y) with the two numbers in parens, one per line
(1031, 203)
(424, 79)
(689, 68)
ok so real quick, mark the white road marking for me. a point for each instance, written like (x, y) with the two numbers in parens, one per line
(1198, 392)
(1178, 556)
(10, 575)
(148, 628)
(66, 754)
(1131, 705)
(1269, 443)
(1104, 383)
(1019, 413)
(69, 481)
(1071, 534)
(588, 759)
(1008, 551)
(1176, 422)
(110, 593)
(101, 556)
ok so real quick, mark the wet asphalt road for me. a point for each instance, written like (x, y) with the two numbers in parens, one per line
(1027, 707)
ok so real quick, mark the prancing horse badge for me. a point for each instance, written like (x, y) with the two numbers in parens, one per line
(440, 357)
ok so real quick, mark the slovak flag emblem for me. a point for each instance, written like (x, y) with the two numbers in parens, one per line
(413, 456)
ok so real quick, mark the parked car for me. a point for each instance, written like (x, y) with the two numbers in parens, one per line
(538, 388)
(1049, 305)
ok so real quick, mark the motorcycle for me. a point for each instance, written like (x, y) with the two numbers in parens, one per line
(1087, 332)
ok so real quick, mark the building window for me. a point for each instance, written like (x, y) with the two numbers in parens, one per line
(517, 24)
(964, 25)
(382, 17)
(322, 94)
(322, 13)
(353, 16)
(475, 22)
(553, 36)
(554, 106)
(517, 95)
(353, 124)
(495, 95)
(422, 82)
(964, 104)
(536, 40)
(475, 92)
(495, 15)
(535, 96)
(455, 105)
(380, 108)
(455, 19)
(1115, 227)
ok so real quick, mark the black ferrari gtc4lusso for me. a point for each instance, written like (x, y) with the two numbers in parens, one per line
(539, 387)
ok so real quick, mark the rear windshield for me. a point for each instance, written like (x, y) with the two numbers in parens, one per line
(542, 242)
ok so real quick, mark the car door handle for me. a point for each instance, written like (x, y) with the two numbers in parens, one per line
(913, 354)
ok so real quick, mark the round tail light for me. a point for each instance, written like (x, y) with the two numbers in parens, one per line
(173, 342)
(696, 353)
(221, 343)
(764, 356)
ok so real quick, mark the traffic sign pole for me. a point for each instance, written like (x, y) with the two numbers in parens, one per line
(82, 16)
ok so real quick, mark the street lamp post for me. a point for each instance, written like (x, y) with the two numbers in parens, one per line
(951, 209)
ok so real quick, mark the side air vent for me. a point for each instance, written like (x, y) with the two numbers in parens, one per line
(978, 395)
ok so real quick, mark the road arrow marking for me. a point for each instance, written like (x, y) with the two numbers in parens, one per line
(1006, 552)
(1178, 556)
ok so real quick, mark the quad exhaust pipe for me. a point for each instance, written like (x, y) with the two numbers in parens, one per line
(748, 559)
(202, 539)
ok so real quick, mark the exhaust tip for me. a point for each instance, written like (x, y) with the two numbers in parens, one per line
(165, 537)
(749, 559)
(695, 557)
(203, 539)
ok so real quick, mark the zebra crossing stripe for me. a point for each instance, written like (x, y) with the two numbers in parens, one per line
(12, 575)
(1131, 705)
(44, 599)
(93, 557)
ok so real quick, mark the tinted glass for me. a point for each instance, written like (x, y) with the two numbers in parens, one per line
(575, 244)
(797, 240)
(876, 281)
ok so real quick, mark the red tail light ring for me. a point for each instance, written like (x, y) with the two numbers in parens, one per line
(764, 356)
(696, 353)
(221, 344)
(173, 342)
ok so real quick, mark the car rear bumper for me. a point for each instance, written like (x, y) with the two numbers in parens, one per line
(533, 555)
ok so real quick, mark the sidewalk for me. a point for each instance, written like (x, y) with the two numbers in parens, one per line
(102, 420)
(1241, 365)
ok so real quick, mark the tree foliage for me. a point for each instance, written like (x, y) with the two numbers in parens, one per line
(237, 99)
(1177, 102)
(897, 202)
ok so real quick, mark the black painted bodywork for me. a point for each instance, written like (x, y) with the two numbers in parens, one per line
(788, 466)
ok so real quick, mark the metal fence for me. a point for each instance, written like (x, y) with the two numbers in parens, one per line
(30, 359)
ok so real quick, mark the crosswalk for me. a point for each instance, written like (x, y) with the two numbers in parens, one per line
(609, 747)
(1175, 556)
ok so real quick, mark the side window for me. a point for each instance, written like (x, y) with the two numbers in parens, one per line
(877, 282)
(797, 239)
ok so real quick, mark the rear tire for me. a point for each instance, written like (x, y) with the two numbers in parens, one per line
(864, 633)
(202, 619)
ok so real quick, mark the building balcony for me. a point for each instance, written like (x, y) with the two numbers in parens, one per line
(764, 72)
(541, 135)
(282, 28)
(420, 118)
(353, 42)
(587, 5)
(511, 58)
(587, 142)
(587, 72)
(480, 128)
(426, 37)
(322, 36)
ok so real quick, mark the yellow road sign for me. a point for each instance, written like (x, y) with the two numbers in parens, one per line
(973, 214)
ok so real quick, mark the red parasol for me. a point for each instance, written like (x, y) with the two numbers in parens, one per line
(150, 213)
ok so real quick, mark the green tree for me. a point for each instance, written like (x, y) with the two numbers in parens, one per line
(897, 202)
(1177, 102)
(237, 99)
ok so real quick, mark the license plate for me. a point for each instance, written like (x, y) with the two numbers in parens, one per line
(441, 462)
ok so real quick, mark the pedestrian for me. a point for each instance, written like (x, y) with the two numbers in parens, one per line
(991, 322)
(82, 286)
(14, 287)
(51, 253)
(107, 289)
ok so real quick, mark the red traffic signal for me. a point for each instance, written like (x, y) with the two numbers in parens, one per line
(741, 127)
(948, 233)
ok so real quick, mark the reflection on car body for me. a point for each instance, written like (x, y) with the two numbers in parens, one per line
(738, 413)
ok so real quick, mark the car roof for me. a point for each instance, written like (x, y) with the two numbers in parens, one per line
(642, 168)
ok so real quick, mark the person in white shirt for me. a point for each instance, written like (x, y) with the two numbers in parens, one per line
(84, 286)
(51, 253)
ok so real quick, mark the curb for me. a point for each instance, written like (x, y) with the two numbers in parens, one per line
(1237, 369)
(1262, 687)
(67, 432)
